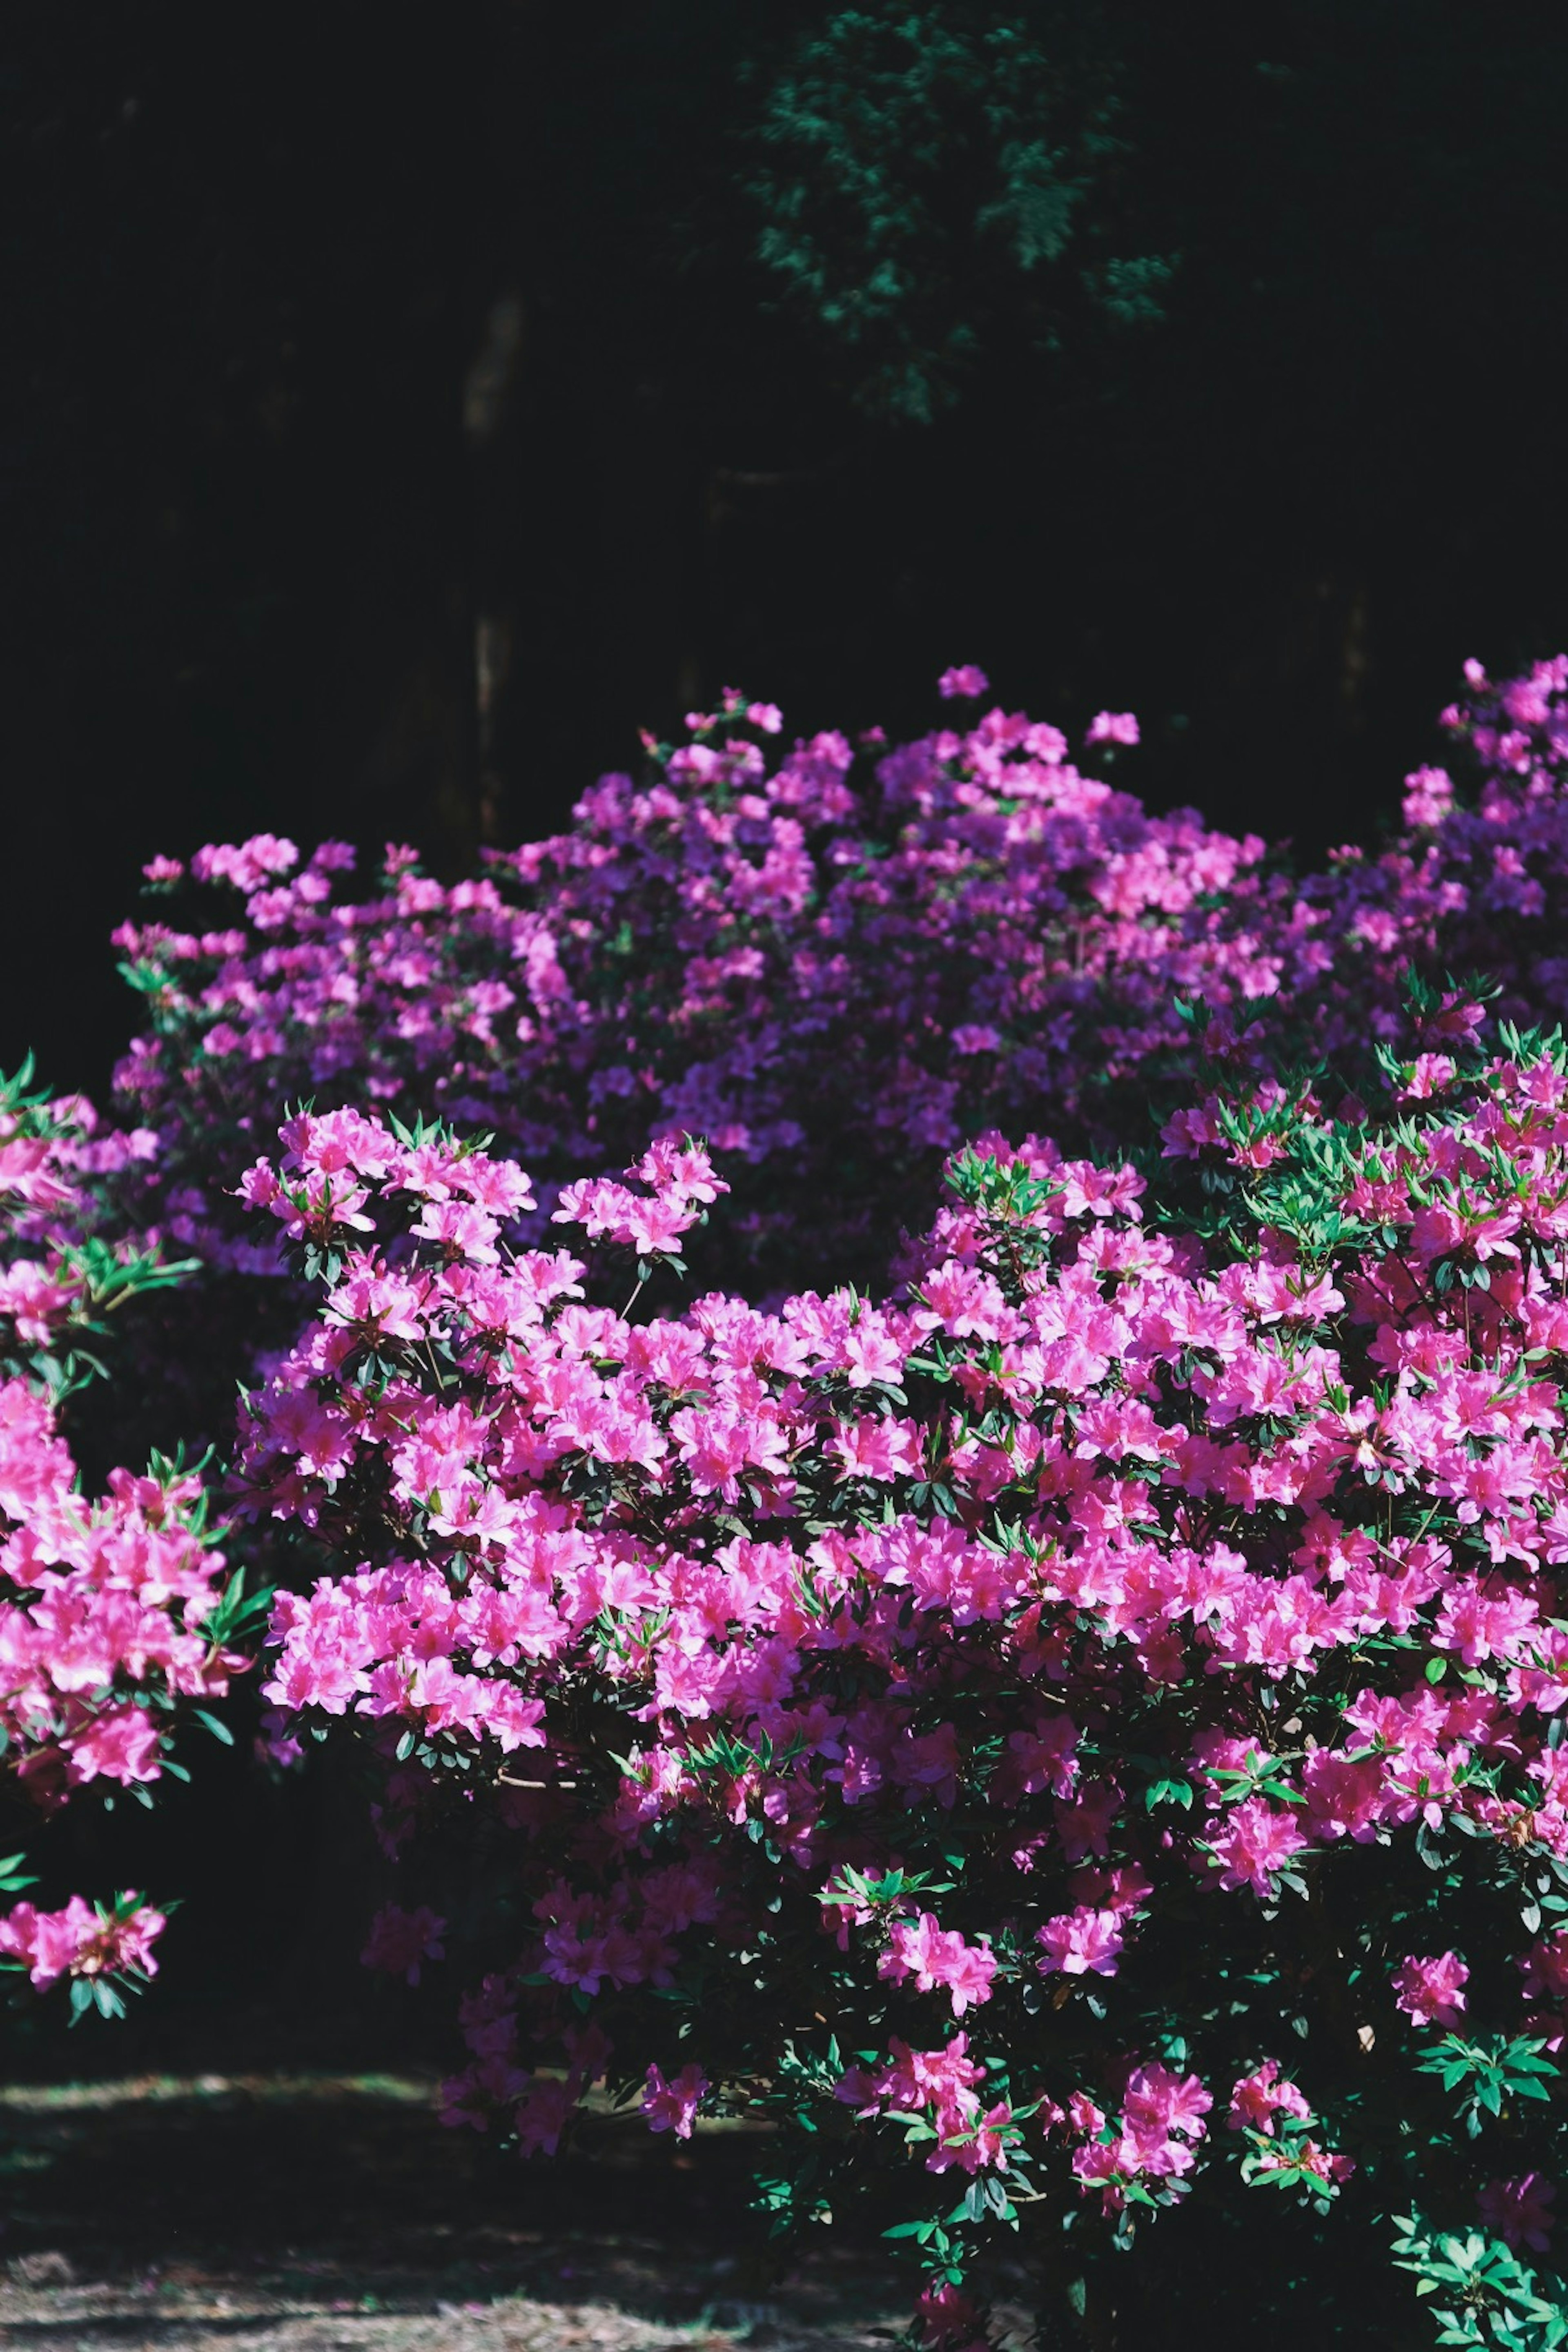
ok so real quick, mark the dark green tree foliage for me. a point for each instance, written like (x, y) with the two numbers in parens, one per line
(934, 169)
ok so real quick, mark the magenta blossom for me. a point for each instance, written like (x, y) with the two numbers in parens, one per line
(1519, 2209)
(672, 2105)
(402, 1941)
(1112, 726)
(921, 1949)
(1432, 1991)
(81, 1940)
(1259, 2096)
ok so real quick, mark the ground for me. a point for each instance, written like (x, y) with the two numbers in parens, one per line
(306, 2213)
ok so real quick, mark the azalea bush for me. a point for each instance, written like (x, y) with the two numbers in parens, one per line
(837, 964)
(1077, 1731)
(117, 1617)
(1046, 1693)
(805, 961)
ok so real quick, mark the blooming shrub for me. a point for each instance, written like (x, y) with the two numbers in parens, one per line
(1066, 1729)
(115, 1612)
(836, 965)
(1082, 1727)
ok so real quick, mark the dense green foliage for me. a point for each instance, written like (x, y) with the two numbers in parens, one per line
(933, 170)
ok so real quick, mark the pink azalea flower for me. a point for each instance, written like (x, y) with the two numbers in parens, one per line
(923, 1949)
(402, 1941)
(1112, 726)
(1257, 2098)
(1519, 2211)
(1078, 1942)
(1255, 1842)
(1431, 1991)
(672, 2105)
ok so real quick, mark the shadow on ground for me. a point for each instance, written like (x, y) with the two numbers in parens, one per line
(302, 2212)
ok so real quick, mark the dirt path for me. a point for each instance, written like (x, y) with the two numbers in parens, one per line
(317, 2213)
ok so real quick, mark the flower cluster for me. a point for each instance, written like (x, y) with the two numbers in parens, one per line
(979, 1728)
(83, 1944)
(113, 1612)
(116, 1613)
(116, 1620)
(66, 1261)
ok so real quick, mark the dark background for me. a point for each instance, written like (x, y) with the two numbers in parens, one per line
(402, 404)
